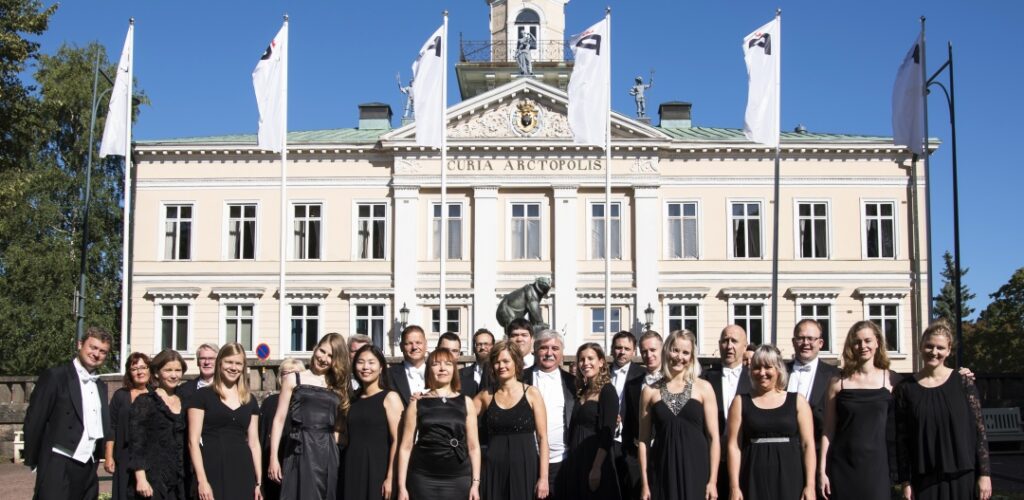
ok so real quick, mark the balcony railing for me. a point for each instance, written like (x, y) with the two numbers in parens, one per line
(504, 51)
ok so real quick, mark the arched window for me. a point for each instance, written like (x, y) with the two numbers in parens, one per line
(528, 21)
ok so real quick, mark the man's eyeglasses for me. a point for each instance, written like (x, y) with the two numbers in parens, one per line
(806, 340)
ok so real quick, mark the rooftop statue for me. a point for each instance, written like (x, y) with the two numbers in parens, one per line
(524, 59)
(637, 91)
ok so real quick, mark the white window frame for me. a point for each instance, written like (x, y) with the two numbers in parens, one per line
(224, 305)
(296, 301)
(446, 320)
(616, 200)
(667, 248)
(864, 228)
(544, 209)
(513, 30)
(465, 248)
(870, 301)
(765, 316)
(291, 228)
(797, 247)
(161, 230)
(376, 301)
(226, 254)
(623, 315)
(831, 303)
(700, 317)
(158, 304)
(729, 231)
(387, 228)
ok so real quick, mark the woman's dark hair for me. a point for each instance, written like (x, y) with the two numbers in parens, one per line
(382, 380)
(134, 358)
(161, 360)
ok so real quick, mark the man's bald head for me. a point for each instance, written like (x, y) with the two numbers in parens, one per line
(731, 344)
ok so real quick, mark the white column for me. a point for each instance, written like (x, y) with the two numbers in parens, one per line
(565, 260)
(485, 258)
(645, 233)
(406, 239)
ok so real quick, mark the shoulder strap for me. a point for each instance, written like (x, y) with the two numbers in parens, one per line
(298, 380)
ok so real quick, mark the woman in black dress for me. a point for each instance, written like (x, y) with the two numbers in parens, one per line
(589, 471)
(272, 489)
(223, 434)
(516, 423)
(136, 383)
(444, 463)
(372, 429)
(158, 433)
(682, 462)
(771, 436)
(859, 410)
(318, 400)
(942, 445)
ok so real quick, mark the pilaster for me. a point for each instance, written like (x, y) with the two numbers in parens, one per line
(565, 264)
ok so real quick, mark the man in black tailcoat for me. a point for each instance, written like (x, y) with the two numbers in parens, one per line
(728, 381)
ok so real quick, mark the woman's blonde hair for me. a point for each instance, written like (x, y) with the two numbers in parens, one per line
(769, 356)
(440, 356)
(693, 370)
(940, 328)
(337, 376)
(850, 360)
(585, 388)
(242, 386)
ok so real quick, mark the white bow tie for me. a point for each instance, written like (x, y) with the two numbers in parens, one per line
(88, 377)
(801, 368)
(651, 378)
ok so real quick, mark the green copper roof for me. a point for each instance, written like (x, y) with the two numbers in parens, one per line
(336, 136)
(712, 134)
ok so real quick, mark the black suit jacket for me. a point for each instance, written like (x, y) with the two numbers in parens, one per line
(714, 377)
(819, 391)
(469, 385)
(54, 415)
(630, 407)
(568, 392)
(400, 383)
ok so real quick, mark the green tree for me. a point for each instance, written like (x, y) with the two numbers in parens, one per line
(995, 343)
(945, 301)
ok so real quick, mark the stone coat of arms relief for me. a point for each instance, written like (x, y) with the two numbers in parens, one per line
(517, 118)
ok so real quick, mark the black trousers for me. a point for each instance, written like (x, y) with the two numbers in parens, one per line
(628, 469)
(62, 478)
(553, 479)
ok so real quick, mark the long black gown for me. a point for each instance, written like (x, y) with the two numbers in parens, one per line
(512, 462)
(858, 456)
(679, 467)
(772, 467)
(227, 458)
(120, 411)
(157, 446)
(592, 428)
(439, 467)
(310, 468)
(366, 458)
(941, 438)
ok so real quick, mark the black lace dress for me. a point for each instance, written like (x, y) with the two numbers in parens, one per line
(772, 467)
(439, 467)
(941, 438)
(679, 467)
(512, 466)
(310, 468)
(858, 465)
(592, 428)
(157, 437)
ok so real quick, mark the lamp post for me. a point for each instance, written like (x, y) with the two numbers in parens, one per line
(649, 315)
(403, 319)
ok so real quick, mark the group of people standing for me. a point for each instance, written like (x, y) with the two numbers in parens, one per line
(515, 425)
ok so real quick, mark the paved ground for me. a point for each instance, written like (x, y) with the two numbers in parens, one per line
(1007, 477)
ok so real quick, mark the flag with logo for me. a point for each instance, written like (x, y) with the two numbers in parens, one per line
(270, 81)
(590, 85)
(428, 73)
(908, 100)
(762, 51)
(117, 130)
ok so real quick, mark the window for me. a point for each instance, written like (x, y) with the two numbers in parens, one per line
(370, 230)
(451, 323)
(682, 230)
(242, 231)
(174, 327)
(597, 220)
(527, 21)
(683, 316)
(178, 232)
(454, 246)
(238, 322)
(307, 231)
(597, 320)
(822, 313)
(879, 228)
(370, 321)
(886, 316)
(751, 318)
(746, 230)
(305, 321)
(812, 220)
(525, 231)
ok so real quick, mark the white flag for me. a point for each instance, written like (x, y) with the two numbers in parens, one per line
(428, 74)
(908, 101)
(117, 130)
(590, 85)
(270, 79)
(762, 51)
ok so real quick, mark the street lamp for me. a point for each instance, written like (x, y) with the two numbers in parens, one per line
(649, 314)
(403, 316)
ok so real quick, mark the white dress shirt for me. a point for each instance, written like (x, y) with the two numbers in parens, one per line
(619, 380)
(416, 377)
(203, 383)
(478, 371)
(528, 360)
(802, 379)
(550, 386)
(730, 380)
(92, 418)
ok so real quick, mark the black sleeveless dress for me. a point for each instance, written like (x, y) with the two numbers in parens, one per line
(858, 457)
(512, 465)
(772, 467)
(310, 468)
(439, 467)
(366, 458)
(679, 467)
(227, 457)
(592, 428)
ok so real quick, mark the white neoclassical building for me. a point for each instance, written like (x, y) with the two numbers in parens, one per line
(691, 223)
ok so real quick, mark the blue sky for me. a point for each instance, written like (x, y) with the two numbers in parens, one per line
(194, 60)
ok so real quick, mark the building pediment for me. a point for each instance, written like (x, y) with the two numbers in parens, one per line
(524, 110)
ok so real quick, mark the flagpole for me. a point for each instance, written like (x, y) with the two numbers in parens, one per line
(442, 313)
(608, 193)
(775, 208)
(126, 210)
(282, 312)
(927, 172)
